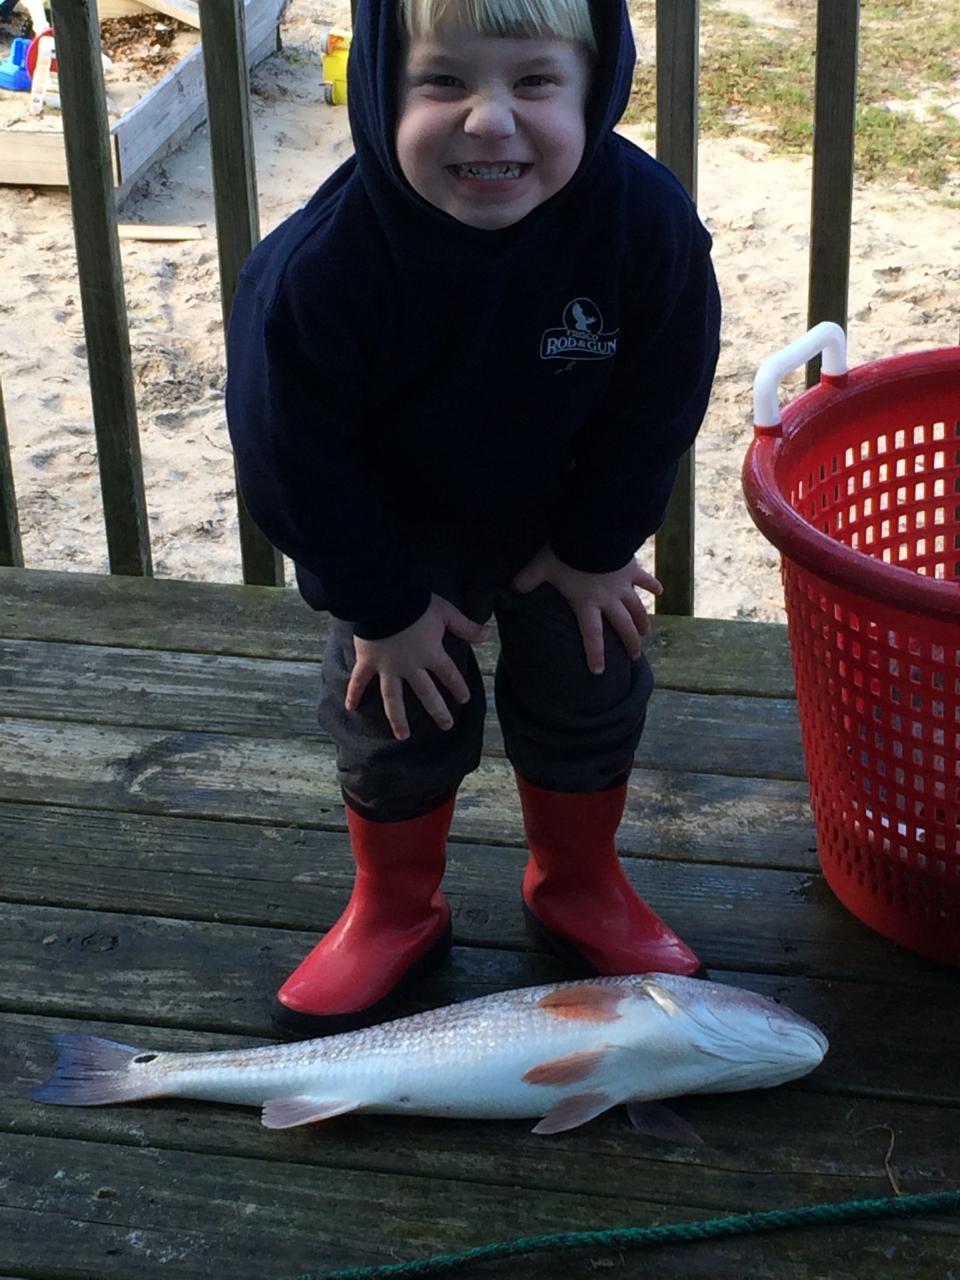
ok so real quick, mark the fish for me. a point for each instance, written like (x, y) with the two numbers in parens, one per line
(561, 1054)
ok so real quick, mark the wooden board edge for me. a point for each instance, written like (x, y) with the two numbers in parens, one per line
(107, 9)
(184, 11)
(36, 158)
(38, 161)
(158, 231)
(263, 18)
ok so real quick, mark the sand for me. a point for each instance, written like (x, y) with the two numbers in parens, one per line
(904, 296)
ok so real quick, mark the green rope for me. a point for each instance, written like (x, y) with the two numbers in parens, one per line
(670, 1233)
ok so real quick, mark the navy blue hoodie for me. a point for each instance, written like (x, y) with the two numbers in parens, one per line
(406, 393)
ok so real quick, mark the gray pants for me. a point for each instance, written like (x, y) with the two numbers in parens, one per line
(564, 729)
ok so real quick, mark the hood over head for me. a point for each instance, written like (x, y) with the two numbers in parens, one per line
(373, 71)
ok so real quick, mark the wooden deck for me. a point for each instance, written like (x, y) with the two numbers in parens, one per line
(172, 841)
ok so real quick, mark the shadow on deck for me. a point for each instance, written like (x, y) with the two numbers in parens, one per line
(172, 840)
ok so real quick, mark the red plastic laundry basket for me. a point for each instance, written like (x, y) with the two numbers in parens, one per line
(859, 489)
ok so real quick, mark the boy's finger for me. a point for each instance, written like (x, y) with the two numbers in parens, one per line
(449, 673)
(357, 686)
(634, 606)
(625, 626)
(591, 631)
(527, 579)
(464, 628)
(391, 691)
(432, 700)
(647, 582)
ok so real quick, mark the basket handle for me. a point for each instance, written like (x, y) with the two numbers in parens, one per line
(825, 337)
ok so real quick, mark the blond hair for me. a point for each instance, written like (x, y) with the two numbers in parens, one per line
(564, 19)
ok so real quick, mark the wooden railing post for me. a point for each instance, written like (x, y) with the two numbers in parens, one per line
(678, 73)
(834, 131)
(11, 551)
(90, 171)
(223, 35)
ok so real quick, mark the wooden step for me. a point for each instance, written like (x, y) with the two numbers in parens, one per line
(704, 817)
(99, 684)
(698, 654)
(296, 878)
(203, 975)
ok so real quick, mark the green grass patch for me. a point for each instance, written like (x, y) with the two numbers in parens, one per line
(759, 81)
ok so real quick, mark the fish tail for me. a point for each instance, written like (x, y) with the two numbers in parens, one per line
(91, 1071)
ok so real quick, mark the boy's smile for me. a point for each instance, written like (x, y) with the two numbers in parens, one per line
(490, 127)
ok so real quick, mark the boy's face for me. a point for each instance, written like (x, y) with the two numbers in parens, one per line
(489, 127)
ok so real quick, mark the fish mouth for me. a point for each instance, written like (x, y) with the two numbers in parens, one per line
(801, 1033)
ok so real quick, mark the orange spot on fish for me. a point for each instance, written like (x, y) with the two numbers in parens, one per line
(586, 1002)
(566, 1070)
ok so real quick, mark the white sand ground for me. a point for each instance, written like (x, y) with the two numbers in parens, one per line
(905, 295)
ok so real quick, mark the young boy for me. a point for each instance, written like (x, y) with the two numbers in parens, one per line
(460, 381)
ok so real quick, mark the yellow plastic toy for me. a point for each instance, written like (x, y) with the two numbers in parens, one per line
(336, 51)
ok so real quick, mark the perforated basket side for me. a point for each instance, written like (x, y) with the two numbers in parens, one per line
(860, 491)
(860, 486)
(879, 705)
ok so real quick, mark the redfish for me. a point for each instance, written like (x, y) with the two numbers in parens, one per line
(563, 1053)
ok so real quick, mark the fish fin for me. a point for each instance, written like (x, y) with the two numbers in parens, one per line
(569, 1069)
(657, 1121)
(659, 993)
(91, 1072)
(573, 1112)
(584, 1001)
(287, 1113)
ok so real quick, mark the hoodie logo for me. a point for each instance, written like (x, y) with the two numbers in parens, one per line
(582, 336)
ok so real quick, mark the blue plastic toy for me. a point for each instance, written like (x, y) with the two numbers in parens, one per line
(13, 72)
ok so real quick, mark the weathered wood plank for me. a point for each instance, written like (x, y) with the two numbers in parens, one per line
(89, 165)
(716, 655)
(197, 974)
(700, 655)
(176, 105)
(834, 136)
(202, 617)
(185, 11)
(11, 549)
(678, 71)
(117, 1212)
(711, 733)
(33, 158)
(205, 976)
(765, 1149)
(120, 1212)
(294, 878)
(238, 222)
(701, 817)
(121, 9)
(157, 231)
(166, 115)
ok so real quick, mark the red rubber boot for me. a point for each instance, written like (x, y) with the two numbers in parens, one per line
(396, 927)
(577, 901)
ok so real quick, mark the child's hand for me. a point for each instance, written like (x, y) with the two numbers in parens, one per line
(414, 656)
(594, 597)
